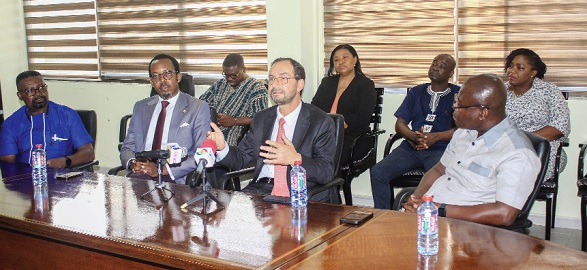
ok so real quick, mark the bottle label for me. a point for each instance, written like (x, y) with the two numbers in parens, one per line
(427, 223)
(301, 180)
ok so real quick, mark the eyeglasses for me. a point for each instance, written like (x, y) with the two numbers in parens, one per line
(279, 80)
(31, 91)
(166, 75)
(232, 76)
(467, 107)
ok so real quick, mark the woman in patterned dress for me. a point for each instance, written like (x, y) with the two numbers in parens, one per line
(535, 105)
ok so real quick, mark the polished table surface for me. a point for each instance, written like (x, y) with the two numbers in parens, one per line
(100, 220)
(388, 241)
(106, 214)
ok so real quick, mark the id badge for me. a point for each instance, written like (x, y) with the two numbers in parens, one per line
(430, 117)
(427, 128)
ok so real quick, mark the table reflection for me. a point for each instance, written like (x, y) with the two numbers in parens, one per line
(427, 262)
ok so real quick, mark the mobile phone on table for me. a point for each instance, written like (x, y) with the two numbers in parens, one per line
(356, 217)
(277, 199)
(69, 175)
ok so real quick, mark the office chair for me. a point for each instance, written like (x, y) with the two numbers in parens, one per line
(522, 223)
(334, 196)
(582, 192)
(90, 120)
(408, 179)
(359, 163)
(549, 190)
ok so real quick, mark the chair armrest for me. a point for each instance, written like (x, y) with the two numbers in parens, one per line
(88, 166)
(115, 170)
(367, 134)
(393, 137)
(222, 181)
(315, 189)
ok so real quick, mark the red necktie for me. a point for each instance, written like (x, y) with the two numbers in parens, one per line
(280, 171)
(160, 124)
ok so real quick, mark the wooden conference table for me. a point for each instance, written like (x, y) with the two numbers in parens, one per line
(100, 221)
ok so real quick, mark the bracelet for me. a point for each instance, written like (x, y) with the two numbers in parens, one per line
(235, 121)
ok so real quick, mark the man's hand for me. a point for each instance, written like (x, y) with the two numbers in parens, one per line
(226, 120)
(425, 140)
(412, 204)
(56, 162)
(217, 136)
(277, 153)
(147, 167)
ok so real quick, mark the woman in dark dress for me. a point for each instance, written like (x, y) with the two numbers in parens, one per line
(347, 91)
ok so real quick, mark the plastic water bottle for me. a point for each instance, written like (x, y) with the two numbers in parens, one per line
(427, 227)
(39, 164)
(299, 189)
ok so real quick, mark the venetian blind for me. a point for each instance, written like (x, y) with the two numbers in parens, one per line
(198, 33)
(555, 30)
(396, 40)
(61, 38)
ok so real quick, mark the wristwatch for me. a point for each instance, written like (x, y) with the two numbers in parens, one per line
(442, 210)
(67, 162)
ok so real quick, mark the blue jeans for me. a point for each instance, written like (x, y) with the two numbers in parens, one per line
(401, 160)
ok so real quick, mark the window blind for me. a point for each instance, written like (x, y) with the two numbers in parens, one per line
(198, 33)
(61, 38)
(396, 40)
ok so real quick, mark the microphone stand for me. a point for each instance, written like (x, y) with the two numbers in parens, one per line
(159, 185)
(204, 195)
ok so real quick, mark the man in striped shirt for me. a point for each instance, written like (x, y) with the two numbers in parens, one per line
(236, 97)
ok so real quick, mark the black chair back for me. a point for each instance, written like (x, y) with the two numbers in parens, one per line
(90, 120)
(339, 133)
(542, 148)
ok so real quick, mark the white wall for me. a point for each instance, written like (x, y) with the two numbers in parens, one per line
(294, 30)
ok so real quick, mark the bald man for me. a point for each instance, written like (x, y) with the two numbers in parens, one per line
(489, 167)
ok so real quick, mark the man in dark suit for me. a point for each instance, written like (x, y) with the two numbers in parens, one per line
(309, 136)
(185, 122)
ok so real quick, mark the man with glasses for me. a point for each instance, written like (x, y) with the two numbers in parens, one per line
(57, 128)
(171, 116)
(237, 98)
(308, 135)
(489, 167)
(428, 109)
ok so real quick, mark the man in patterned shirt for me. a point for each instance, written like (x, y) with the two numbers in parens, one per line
(236, 97)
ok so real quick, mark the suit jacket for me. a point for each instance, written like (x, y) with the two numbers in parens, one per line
(189, 125)
(314, 138)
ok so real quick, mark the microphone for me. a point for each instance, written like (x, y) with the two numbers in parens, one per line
(153, 154)
(205, 157)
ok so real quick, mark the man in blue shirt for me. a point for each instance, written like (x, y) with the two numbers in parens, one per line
(57, 128)
(428, 109)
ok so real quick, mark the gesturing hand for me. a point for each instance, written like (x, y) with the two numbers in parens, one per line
(277, 153)
(217, 136)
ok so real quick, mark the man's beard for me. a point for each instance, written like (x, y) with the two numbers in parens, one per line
(39, 103)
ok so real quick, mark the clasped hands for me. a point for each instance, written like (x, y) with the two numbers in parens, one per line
(147, 167)
(424, 140)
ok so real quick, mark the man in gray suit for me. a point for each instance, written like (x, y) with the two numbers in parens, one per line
(170, 116)
(309, 135)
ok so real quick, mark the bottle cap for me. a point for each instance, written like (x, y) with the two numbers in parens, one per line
(38, 146)
(298, 162)
(427, 198)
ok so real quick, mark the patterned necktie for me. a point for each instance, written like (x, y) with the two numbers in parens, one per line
(280, 187)
(159, 128)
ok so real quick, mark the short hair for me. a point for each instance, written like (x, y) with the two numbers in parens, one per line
(352, 50)
(234, 59)
(165, 56)
(26, 74)
(299, 71)
(532, 57)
